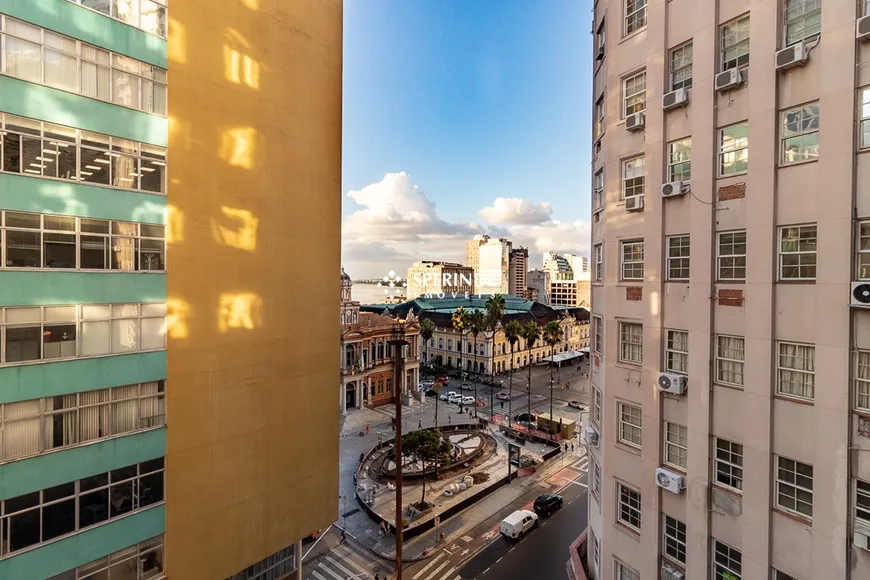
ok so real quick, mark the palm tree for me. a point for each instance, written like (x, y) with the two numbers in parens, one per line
(495, 307)
(427, 329)
(531, 333)
(512, 332)
(460, 321)
(552, 336)
(476, 325)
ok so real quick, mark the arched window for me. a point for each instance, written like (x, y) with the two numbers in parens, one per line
(440, 343)
(449, 344)
(449, 361)
(380, 350)
(469, 347)
(349, 359)
(389, 350)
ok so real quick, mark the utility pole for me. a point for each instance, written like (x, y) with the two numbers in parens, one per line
(398, 343)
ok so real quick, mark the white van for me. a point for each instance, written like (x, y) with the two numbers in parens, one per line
(518, 523)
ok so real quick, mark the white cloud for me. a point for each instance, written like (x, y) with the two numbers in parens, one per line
(513, 210)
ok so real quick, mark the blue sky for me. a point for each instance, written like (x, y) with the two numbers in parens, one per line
(464, 102)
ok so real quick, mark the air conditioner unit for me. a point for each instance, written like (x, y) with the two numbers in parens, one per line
(794, 55)
(673, 482)
(674, 99)
(599, 54)
(635, 122)
(590, 434)
(672, 189)
(729, 79)
(634, 203)
(671, 573)
(863, 33)
(860, 294)
(861, 536)
(673, 383)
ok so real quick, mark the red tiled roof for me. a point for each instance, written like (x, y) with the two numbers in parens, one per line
(370, 321)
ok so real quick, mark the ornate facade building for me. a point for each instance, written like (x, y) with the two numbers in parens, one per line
(367, 357)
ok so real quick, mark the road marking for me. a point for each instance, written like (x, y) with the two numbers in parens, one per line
(429, 565)
(329, 571)
(583, 485)
(438, 569)
(499, 560)
(447, 574)
(348, 559)
(338, 565)
(317, 575)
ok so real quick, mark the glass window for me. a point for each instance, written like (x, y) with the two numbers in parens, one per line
(630, 425)
(734, 149)
(599, 262)
(631, 343)
(676, 445)
(598, 189)
(862, 380)
(680, 160)
(863, 250)
(862, 501)
(633, 181)
(794, 486)
(729, 463)
(797, 252)
(677, 351)
(596, 477)
(623, 572)
(796, 375)
(734, 43)
(681, 66)
(729, 360)
(597, 321)
(727, 562)
(631, 253)
(635, 15)
(731, 256)
(800, 134)
(600, 123)
(803, 20)
(629, 507)
(596, 405)
(674, 539)
(678, 257)
(634, 94)
(864, 116)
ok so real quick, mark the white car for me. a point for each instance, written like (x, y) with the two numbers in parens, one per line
(451, 397)
(446, 396)
(427, 383)
(518, 523)
(467, 400)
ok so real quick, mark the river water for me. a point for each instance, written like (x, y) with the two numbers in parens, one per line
(368, 293)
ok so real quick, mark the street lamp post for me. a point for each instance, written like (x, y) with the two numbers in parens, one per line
(398, 343)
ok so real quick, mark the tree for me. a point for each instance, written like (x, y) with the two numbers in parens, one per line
(425, 446)
(495, 307)
(531, 334)
(512, 332)
(477, 324)
(427, 329)
(552, 336)
(460, 320)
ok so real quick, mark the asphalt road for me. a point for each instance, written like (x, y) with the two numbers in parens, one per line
(541, 554)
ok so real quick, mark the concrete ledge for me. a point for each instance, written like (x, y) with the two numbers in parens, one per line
(576, 571)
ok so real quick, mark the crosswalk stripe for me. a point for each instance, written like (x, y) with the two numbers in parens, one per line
(427, 566)
(317, 575)
(438, 569)
(346, 558)
(359, 561)
(338, 565)
(447, 574)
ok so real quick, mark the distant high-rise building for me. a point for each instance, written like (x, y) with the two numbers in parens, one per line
(558, 267)
(569, 283)
(518, 270)
(427, 277)
(490, 260)
(539, 285)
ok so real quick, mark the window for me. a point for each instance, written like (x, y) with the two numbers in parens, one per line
(142, 561)
(49, 241)
(30, 334)
(599, 334)
(632, 259)
(777, 575)
(598, 189)
(677, 351)
(727, 562)
(729, 360)
(794, 486)
(674, 539)
(680, 160)
(731, 256)
(599, 262)
(862, 501)
(149, 15)
(803, 20)
(595, 546)
(47, 58)
(863, 251)
(864, 115)
(797, 252)
(734, 149)
(799, 137)
(795, 370)
(862, 380)
(41, 516)
(629, 507)
(596, 478)
(596, 406)
(634, 94)
(633, 180)
(729, 463)
(678, 258)
(734, 43)
(631, 343)
(681, 66)
(623, 572)
(38, 149)
(35, 426)
(630, 425)
(601, 37)
(635, 15)
(599, 118)
(275, 566)
(676, 445)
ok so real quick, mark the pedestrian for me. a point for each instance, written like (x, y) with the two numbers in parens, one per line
(449, 419)
(377, 577)
(420, 424)
(343, 536)
(367, 428)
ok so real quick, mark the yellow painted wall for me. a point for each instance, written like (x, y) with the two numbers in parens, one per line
(254, 256)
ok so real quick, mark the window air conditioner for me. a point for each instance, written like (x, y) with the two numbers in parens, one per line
(590, 434)
(672, 189)
(673, 383)
(635, 122)
(674, 99)
(634, 203)
(729, 79)
(794, 55)
(860, 294)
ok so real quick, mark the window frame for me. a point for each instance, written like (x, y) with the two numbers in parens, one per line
(731, 471)
(599, 262)
(672, 545)
(630, 260)
(634, 18)
(720, 359)
(678, 159)
(807, 260)
(807, 382)
(677, 63)
(862, 250)
(804, 113)
(800, 20)
(732, 30)
(136, 554)
(633, 512)
(862, 501)
(598, 189)
(598, 322)
(629, 424)
(780, 484)
(625, 572)
(863, 115)
(675, 360)
(595, 484)
(638, 95)
(736, 257)
(140, 15)
(678, 267)
(738, 144)
(600, 118)
(636, 184)
(633, 345)
(676, 447)
(720, 568)
(597, 401)
(862, 384)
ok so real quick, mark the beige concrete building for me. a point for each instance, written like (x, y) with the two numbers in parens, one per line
(518, 271)
(570, 293)
(490, 259)
(732, 273)
(435, 278)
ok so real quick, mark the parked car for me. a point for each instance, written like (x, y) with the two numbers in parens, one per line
(503, 397)
(525, 417)
(547, 503)
(576, 405)
(427, 383)
(467, 387)
(454, 397)
(518, 523)
(447, 396)
(467, 400)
